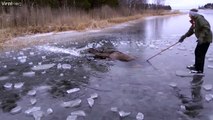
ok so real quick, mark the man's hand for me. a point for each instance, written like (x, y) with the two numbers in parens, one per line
(182, 38)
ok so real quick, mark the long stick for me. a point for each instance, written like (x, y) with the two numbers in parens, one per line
(162, 51)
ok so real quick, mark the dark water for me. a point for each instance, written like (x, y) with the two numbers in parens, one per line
(135, 86)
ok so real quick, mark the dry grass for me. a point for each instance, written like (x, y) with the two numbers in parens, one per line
(24, 21)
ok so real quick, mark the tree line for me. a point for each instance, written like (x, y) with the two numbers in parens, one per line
(207, 6)
(85, 4)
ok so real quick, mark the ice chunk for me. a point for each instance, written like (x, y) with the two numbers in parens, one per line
(49, 111)
(72, 117)
(4, 78)
(43, 67)
(18, 85)
(173, 85)
(73, 90)
(39, 63)
(66, 66)
(182, 107)
(30, 63)
(207, 87)
(59, 66)
(209, 97)
(29, 74)
(31, 93)
(210, 66)
(23, 60)
(94, 96)
(44, 72)
(90, 101)
(124, 114)
(182, 48)
(114, 109)
(38, 115)
(43, 57)
(8, 85)
(32, 53)
(140, 116)
(73, 103)
(33, 101)
(152, 46)
(78, 113)
(16, 110)
(31, 110)
(210, 59)
(61, 74)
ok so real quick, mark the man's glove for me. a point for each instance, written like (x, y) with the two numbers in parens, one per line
(182, 38)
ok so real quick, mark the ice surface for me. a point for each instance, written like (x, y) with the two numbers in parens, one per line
(140, 116)
(29, 74)
(73, 90)
(43, 67)
(90, 102)
(73, 103)
(207, 87)
(18, 85)
(124, 114)
(16, 110)
(78, 113)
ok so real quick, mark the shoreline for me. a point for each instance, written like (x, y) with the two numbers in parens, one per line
(23, 41)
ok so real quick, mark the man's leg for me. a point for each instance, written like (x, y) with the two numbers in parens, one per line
(200, 53)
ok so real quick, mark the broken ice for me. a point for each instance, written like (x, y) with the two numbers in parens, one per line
(4, 78)
(94, 96)
(124, 114)
(16, 110)
(37, 115)
(33, 101)
(139, 116)
(31, 110)
(18, 85)
(73, 90)
(31, 93)
(210, 66)
(8, 85)
(207, 87)
(90, 102)
(29, 74)
(43, 67)
(78, 113)
(114, 109)
(72, 117)
(49, 111)
(73, 103)
(173, 84)
(209, 97)
(66, 66)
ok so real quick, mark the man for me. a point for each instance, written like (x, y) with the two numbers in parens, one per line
(202, 30)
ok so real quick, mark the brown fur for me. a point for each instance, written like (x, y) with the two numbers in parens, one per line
(114, 55)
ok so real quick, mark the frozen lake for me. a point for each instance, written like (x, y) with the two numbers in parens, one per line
(49, 77)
